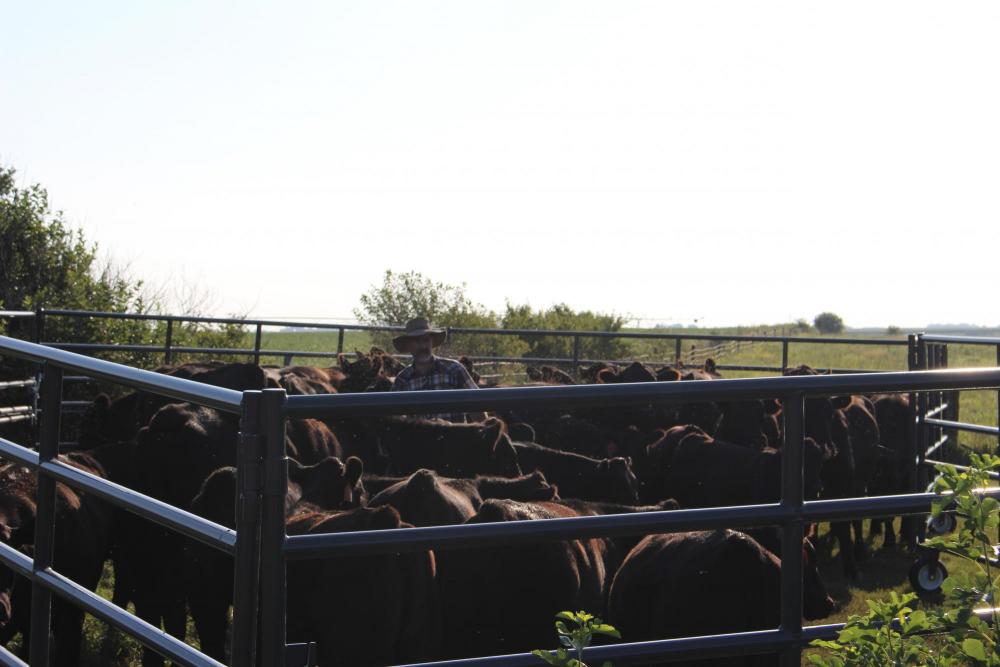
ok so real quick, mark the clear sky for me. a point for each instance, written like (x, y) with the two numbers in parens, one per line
(737, 162)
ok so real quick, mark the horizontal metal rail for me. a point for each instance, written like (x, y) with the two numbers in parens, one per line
(471, 400)
(936, 411)
(473, 330)
(961, 340)
(303, 547)
(12, 419)
(158, 640)
(15, 409)
(226, 400)
(17, 383)
(963, 426)
(759, 641)
(941, 442)
(16, 313)
(960, 468)
(187, 524)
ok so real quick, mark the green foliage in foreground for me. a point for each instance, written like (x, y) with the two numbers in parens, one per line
(575, 637)
(893, 633)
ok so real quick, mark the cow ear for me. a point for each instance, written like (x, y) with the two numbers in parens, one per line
(354, 469)
(342, 361)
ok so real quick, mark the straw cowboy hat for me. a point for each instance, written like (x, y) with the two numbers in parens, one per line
(417, 327)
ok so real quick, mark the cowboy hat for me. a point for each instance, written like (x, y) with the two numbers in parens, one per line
(417, 327)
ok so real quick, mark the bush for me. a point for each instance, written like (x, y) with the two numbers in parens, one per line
(828, 323)
(563, 318)
(893, 633)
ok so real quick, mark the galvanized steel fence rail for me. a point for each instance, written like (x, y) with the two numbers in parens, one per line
(168, 349)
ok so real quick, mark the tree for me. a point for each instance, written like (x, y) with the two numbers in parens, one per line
(561, 317)
(802, 326)
(892, 330)
(44, 263)
(403, 296)
(828, 323)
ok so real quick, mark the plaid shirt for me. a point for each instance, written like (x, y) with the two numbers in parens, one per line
(445, 374)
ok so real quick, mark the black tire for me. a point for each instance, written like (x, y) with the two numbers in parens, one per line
(926, 576)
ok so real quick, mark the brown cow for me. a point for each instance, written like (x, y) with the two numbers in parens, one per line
(81, 544)
(363, 610)
(425, 499)
(455, 450)
(502, 599)
(726, 580)
(328, 485)
(578, 476)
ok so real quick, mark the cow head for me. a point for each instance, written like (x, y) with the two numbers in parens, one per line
(330, 484)
(617, 481)
(816, 602)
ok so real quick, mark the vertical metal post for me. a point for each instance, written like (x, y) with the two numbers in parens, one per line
(677, 352)
(576, 353)
(998, 400)
(272, 529)
(246, 580)
(45, 518)
(908, 525)
(168, 352)
(784, 356)
(39, 325)
(256, 344)
(922, 437)
(287, 361)
(792, 530)
(340, 340)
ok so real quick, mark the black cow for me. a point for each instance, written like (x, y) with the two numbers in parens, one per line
(703, 583)
(577, 476)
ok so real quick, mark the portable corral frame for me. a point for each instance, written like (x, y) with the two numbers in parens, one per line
(261, 548)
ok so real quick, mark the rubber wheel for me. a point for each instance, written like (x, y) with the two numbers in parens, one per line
(942, 525)
(927, 575)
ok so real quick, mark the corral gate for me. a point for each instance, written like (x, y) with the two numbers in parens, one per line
(261, 548)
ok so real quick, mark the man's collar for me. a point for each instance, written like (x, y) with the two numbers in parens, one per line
(430, 365)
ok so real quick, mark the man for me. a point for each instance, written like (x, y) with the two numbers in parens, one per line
(428, 371)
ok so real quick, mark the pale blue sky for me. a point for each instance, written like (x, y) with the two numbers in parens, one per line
(730, 161)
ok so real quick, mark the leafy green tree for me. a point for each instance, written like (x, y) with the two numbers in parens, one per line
(403, 296)
(576, 630)
(563, 318)
(44, 263)
(828, 323)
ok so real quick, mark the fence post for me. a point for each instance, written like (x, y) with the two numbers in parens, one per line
(340, 340)
(998, 401)
(48, 449)
(246, 589)
(576, 354)
(922, 436)
(677, 352)
(256, 344)
(168, 352)
(784, 356)
(39, 325)
(793, 529)
(272, 529)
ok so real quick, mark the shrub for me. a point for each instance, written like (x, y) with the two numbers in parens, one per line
(828, 323)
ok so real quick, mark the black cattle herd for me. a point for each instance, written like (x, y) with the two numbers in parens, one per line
(380, 473)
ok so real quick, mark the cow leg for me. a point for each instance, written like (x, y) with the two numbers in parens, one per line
(890, 534)
(842, 531)
(67, 628)
(152, 613)
(210, 620)
(860, 547)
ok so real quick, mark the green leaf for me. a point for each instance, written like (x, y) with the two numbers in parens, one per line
(974, 649)
(605, 629)
(567, 616)
(547, 657)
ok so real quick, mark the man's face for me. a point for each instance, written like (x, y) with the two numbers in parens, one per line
(421, 348)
